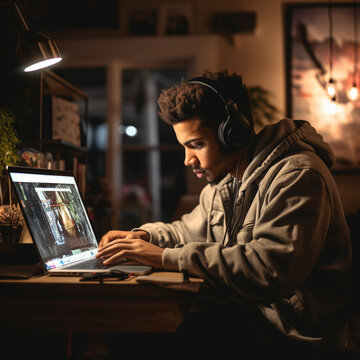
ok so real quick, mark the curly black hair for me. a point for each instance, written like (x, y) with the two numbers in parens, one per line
(186, 100)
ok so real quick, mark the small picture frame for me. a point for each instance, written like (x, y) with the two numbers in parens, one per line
(175, 19)
(64, 120)
(142, 22)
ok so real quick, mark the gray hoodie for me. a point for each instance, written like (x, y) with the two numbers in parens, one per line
(289, 258)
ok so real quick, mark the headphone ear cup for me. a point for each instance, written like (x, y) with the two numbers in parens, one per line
(234, 132)
(222, 133)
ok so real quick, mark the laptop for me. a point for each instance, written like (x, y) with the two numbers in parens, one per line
(59, 224)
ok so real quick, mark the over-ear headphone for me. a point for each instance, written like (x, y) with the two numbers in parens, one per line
(234, 131)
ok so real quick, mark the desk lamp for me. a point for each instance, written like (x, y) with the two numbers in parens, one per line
(35, 50)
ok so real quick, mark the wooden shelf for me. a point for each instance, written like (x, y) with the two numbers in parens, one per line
(60, 146)
(55, 85)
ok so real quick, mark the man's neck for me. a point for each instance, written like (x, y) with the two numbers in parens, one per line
(241, 160)
(240, 164)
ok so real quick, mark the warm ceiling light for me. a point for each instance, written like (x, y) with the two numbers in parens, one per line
(331, 89)
(353, 93)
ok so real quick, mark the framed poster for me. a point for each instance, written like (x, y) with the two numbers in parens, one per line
(321, 43)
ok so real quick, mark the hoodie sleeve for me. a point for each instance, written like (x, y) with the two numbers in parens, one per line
(192, 227)
(288, 234)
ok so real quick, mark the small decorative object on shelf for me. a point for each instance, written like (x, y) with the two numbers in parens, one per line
(31, 157)
(175, 19)
(11, 219)
(11, 223)
(142, 22)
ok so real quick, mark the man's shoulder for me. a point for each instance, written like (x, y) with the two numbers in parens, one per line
(297, 163)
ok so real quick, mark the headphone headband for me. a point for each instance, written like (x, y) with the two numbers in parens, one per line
(201, 80)
(233, 132)
(209, 83)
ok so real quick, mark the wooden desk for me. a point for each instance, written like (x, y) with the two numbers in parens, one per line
(65, 303)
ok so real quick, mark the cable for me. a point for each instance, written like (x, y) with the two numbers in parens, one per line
(231, 221)
(231, 215)
(355, 45)
(330, 39)
(234, 225)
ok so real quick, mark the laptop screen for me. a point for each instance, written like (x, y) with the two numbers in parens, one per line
(55, 215)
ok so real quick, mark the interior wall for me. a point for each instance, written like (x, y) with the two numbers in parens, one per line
(259, 56)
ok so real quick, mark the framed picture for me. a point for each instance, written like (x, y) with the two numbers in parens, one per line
(65, 120)
(175, 19)
(62, 120)
(321, 45)
(142, 22)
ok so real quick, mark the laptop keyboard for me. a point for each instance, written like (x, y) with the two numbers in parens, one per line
(90, 264)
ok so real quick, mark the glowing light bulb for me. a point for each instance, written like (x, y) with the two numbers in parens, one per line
(42, 64)
(131, 131)
(331, 88)
(353, 93)
(332, 107)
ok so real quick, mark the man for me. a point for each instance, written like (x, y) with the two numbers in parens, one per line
(269, 235)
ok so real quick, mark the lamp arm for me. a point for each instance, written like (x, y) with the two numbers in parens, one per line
(20, 17)
(13, 11)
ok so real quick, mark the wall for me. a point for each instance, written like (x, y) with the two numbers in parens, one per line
(348, 186)
(259, 57)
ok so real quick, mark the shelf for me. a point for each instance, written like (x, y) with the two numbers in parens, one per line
(55, 85)
(60, 146)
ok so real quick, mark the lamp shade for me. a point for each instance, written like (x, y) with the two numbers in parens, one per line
(36, 51)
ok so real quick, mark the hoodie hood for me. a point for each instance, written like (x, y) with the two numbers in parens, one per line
(286, 136)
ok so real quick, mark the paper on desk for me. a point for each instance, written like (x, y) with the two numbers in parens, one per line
(171, 280)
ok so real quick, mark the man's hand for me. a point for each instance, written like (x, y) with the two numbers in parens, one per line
(134, 245)
(117, 234)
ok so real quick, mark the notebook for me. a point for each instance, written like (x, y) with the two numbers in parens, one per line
(59, 224)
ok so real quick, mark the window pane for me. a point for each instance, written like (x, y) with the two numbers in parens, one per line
(173, 183)
(158, 174)
(141, 88)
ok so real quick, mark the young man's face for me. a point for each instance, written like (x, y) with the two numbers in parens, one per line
(202, 150)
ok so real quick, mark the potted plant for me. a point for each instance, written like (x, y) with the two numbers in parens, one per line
(9, 140)
(11, 223)
(11, 220)
(263, 111)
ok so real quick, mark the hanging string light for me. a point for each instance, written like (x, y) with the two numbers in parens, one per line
(354, 91)
(331, 89)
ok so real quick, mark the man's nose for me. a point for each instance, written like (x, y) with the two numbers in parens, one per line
(190, 158)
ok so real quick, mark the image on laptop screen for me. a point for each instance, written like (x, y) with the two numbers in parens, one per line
(56, 217)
